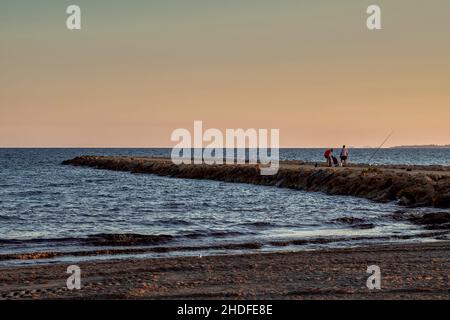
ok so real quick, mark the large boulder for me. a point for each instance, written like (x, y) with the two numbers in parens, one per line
(441, 200)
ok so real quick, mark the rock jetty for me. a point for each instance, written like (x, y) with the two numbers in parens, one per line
(408, 185)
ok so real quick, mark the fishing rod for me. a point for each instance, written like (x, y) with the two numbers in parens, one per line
(373, 154)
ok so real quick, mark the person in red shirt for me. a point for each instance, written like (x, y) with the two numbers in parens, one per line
(328, 155)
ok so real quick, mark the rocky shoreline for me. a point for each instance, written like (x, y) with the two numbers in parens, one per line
(414, 186)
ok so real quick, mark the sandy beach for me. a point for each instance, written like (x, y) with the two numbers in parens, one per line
(415, 271)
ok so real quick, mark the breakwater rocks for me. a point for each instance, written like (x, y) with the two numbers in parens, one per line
(409, 185)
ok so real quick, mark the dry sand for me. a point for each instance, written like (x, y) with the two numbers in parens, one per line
(416, 271)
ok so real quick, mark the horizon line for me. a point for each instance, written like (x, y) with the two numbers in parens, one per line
(170, 147)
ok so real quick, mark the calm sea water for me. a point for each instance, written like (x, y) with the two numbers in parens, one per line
(45, 206)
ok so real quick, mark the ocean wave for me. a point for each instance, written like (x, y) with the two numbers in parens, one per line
(355, 223)
(322, 240)
(174, 222)
(214, 234)
(28, 193)
(257, 224)
(8, 218)
(255, 245)
(127, 239)
(103, 239)
(129, 251)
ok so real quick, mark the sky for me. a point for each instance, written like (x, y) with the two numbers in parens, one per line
(138, 70)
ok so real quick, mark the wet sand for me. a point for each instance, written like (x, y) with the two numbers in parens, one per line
(414, 271)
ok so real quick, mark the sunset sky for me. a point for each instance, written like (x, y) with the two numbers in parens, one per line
(140, 69)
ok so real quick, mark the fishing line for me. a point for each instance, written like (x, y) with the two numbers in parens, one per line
(373, 154)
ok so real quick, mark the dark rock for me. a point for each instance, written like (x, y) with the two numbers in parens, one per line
(435, 218)
(442, 200)
(348, 220)
(127, 239)
(355, 223)
(404, 201)
(363, 226)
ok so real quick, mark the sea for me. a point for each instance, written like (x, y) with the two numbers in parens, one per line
(74, 214)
